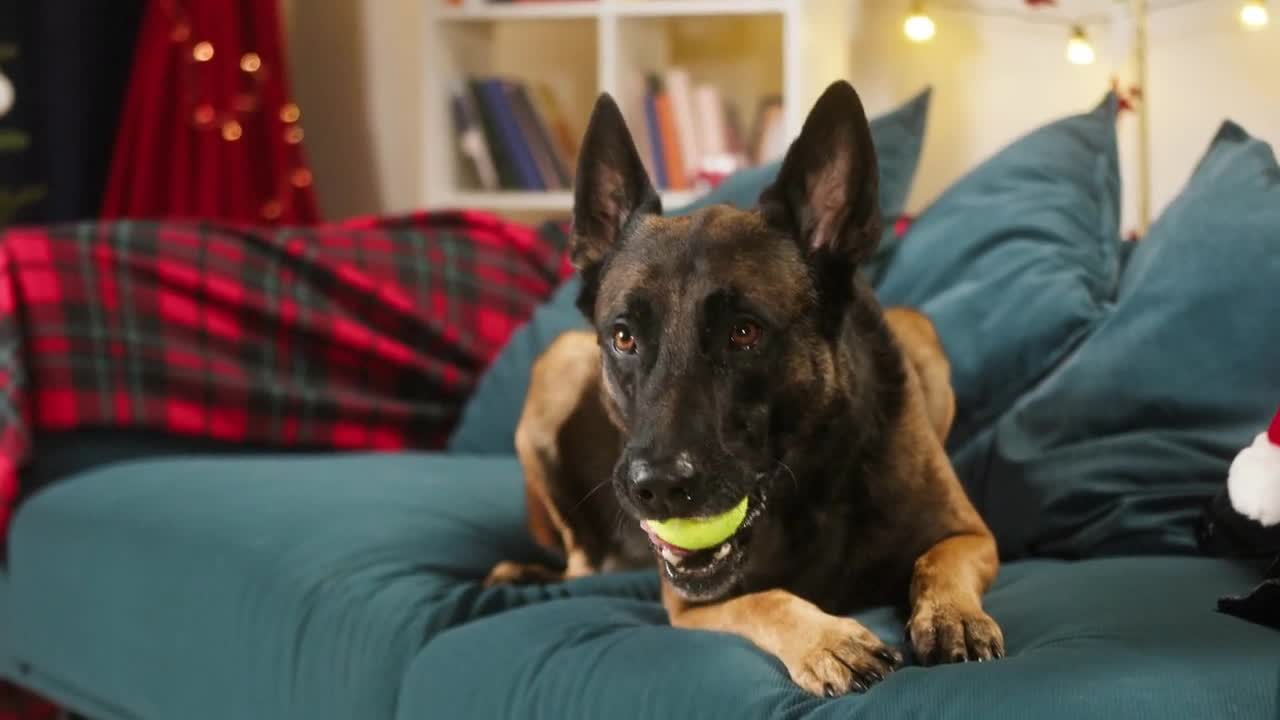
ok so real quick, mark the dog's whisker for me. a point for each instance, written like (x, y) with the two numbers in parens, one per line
(794, 481)
(591, 492)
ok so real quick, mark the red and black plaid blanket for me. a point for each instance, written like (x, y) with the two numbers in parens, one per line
(368, 334)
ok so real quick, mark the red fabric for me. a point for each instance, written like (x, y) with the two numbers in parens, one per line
(902, 224)
(18, 704)
(1273, 432)
(369, 334)
(206, 133)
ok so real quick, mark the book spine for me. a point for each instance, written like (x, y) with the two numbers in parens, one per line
(672, 158)
(681, 94)
(655, 139)
(546, 148)
(525, 166)
(502, 160)
(471, 139)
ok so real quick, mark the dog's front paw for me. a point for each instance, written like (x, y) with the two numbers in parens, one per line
(836, 656)
(944, 633)
(510, 573)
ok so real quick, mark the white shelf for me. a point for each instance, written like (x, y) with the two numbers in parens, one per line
(552, 201)
(568, 9)
(580, 48)
(699, 8)
(520, 11)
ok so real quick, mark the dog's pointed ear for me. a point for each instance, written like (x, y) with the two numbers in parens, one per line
(827, 190)
(610, 189)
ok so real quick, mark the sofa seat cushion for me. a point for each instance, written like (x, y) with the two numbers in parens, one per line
(255, 587)
(1123, 637)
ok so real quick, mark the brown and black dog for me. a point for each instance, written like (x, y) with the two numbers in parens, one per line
(740, 353)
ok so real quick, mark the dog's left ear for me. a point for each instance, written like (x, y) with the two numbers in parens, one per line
(611, 186)
(826, 194)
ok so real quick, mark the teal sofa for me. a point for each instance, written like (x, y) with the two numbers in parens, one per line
(1103, 390)
(222, 585)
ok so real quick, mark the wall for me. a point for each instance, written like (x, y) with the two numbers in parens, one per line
(995, 78)
(356, 70)
(358, 64)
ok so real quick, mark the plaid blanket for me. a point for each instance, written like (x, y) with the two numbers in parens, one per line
(367, 334)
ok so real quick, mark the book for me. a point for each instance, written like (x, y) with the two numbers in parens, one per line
(534, 134)
(502, 160)
(471, 139)
(767, 133)
(672, 162)
(562, 135)
(656, 151)
(494, 100)
(710, 121)
(679, 89)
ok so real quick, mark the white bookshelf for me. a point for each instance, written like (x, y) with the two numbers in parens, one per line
(748, 48)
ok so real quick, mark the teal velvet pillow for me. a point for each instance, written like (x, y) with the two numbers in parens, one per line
(1118, 450)
(489, 419)
(1014, 264)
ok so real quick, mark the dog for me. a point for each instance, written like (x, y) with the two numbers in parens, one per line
(742, 354)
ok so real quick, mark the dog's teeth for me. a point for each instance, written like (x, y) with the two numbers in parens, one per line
(671, 557)
(724, 550)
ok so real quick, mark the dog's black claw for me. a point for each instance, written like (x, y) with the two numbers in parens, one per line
(892, 657)
(859, 686)
(874, 676)
(828, 690)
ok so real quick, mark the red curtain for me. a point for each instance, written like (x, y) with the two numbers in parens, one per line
(209, 130)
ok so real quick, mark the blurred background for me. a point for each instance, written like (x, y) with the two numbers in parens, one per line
(386, 90)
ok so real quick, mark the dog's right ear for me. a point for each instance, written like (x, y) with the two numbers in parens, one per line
(611, 187)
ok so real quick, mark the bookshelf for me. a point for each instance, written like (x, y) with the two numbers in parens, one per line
(747, 50)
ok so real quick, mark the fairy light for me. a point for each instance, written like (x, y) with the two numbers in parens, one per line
(203, 51)
(918, 26)
(1079, 49)
(231, 123)
(1254, 14)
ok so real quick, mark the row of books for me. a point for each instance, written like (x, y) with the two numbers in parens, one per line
(689, 134)
(513, 134)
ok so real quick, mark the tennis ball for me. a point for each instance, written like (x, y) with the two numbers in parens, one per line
(700, 533)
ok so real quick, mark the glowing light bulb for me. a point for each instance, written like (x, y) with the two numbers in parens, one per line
(1079, 50)
(918, 27)
(1254, 14)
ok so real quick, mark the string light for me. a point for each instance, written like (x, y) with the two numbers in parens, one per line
(231, 123)
(1254, 14)
(202, 52)
(918, 26)
(1079, 49)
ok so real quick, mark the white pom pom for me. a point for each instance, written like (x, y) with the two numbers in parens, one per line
(1253, 482)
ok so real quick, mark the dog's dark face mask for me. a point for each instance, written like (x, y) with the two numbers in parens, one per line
(720, 331)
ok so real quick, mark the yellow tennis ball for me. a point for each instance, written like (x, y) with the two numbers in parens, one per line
(700, 533)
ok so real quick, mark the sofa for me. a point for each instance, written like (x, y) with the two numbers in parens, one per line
(1102, 389)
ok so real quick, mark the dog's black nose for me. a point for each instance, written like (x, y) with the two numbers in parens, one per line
(667, 489)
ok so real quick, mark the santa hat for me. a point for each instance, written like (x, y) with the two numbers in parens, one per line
(1253, 482)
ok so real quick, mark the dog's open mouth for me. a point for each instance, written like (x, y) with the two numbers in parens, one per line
(708, 559)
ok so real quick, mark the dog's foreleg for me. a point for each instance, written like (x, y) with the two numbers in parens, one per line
(824, 654)
(947, 621)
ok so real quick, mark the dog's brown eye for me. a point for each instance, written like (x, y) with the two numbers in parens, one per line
(744, 334)
(623, 341)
